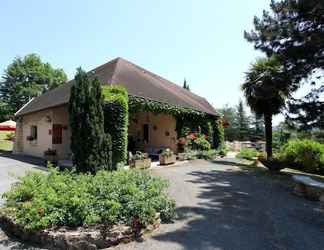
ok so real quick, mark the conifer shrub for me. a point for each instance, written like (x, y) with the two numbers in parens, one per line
(116, 121)
(90, 145)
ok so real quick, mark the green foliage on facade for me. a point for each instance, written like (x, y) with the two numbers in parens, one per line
(187, 119)
(141, 104)
(218, 134)
(90, 145)
(116, 121)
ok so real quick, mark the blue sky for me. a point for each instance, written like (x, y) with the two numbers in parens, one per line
(201, 41)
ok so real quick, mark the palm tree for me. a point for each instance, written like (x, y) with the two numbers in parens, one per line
(265, 92)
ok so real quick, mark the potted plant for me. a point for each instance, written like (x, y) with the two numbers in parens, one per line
(50, 155)
(167, 157)
(140, 160)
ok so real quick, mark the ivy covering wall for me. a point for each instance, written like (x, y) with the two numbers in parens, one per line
(116, 121)
(187, 119)
(218, 128)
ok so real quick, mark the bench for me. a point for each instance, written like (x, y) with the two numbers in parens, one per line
(305, 183)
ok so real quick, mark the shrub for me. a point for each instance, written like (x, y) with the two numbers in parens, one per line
(222, 150)
(198, 142)
(167, 152)
(247, 153)
(208, 154)
(90, 145)
(66, 198)
(305, 155)
(140, 156)
(116, 121)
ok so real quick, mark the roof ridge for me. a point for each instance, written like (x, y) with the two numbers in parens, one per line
(140, 81)
(104, 65)
(189, 98)
(157, 76)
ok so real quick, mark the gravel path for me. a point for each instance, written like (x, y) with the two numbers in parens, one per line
(220, 206)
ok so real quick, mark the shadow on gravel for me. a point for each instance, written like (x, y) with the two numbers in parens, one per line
(237, 210)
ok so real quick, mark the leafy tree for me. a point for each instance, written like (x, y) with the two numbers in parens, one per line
(230, 119)
(186, 85)
(265, 92)
(90, 145)
(26, 78)
(242, 122)
(293, 31)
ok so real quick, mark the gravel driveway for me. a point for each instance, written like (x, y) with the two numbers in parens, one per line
(221, 206)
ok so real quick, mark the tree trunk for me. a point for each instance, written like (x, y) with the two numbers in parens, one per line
(268, 134)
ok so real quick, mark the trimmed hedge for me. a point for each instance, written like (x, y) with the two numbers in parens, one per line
(116, 121)
(65, 198)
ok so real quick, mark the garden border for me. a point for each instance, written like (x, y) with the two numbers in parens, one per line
(90, 237)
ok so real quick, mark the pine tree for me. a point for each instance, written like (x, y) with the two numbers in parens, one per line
(292, 30)
(90, 146)
(242, 122)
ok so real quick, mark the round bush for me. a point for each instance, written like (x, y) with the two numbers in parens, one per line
(305, 155)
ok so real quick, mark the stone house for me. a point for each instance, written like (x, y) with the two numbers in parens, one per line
(43, 123)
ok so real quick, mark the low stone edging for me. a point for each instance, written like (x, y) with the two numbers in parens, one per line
(86, 238)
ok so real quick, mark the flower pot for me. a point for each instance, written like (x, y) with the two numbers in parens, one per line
(141, 164)
(166, 160)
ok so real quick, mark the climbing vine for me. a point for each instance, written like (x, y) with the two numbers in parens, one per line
(187, 119)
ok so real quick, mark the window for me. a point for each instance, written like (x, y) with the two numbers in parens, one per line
(57, 134)
(146, 132)
(33, 132)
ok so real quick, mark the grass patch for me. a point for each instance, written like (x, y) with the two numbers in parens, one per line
(5, 144)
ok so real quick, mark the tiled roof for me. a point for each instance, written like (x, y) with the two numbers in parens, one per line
(138, 81)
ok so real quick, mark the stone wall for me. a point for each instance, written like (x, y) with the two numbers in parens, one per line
(87, 238)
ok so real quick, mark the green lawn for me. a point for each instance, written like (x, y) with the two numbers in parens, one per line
(5, 145)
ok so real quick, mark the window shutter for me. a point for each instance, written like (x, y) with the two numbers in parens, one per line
(57, 134)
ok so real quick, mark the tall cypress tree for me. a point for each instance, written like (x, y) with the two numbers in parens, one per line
(185, 85)
(90, 146)
(242, 122)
